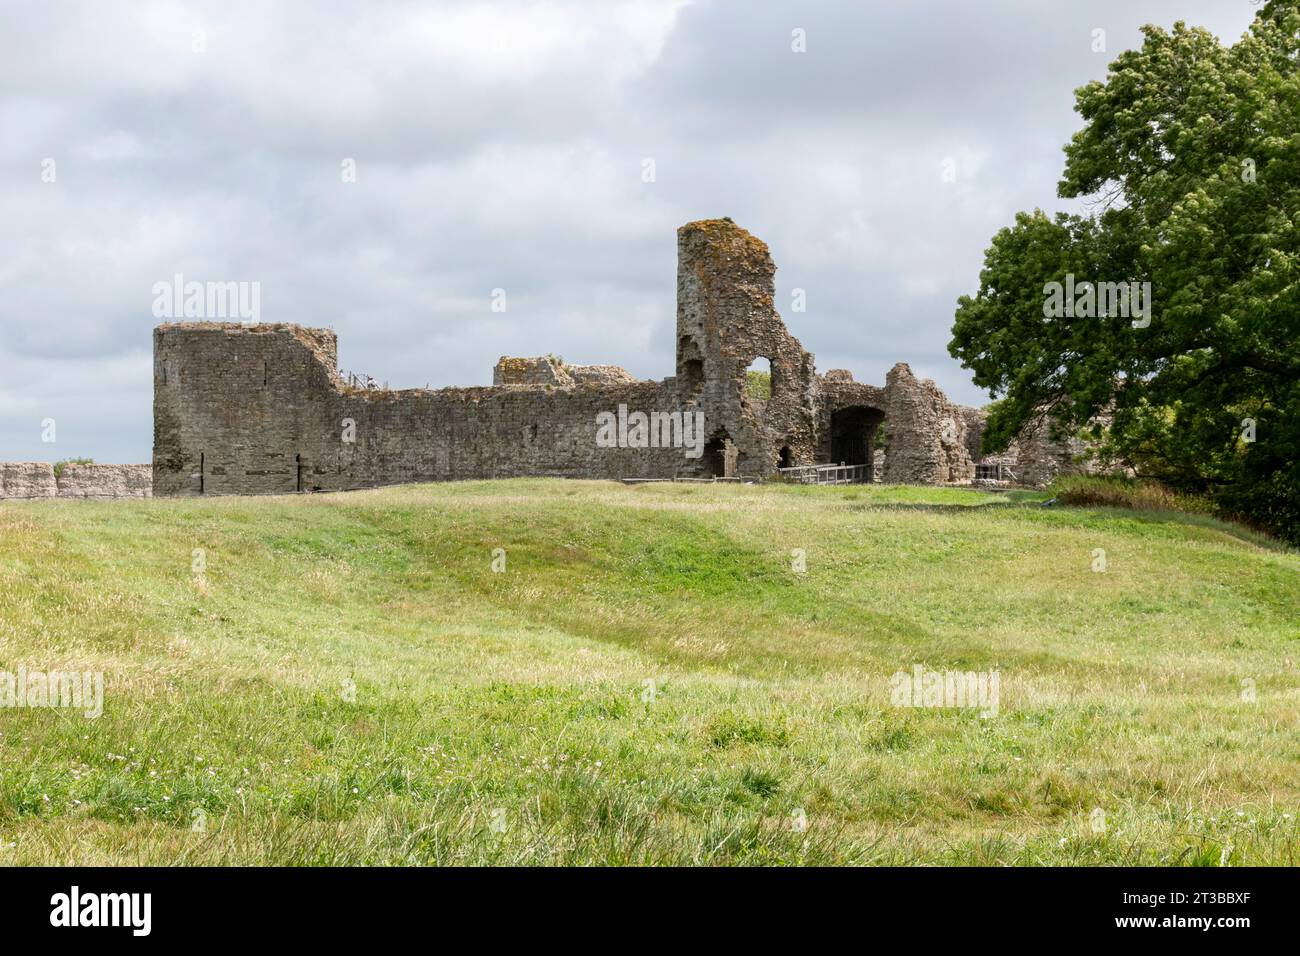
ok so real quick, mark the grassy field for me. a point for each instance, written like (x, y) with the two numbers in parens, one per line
(345, 679)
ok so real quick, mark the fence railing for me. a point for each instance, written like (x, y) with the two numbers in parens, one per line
(996, 471)
(827, 474)
(801, 474)
(360, 380)
(680, 479)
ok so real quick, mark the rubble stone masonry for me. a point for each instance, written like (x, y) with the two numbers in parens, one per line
(262, 409)
(36, 479)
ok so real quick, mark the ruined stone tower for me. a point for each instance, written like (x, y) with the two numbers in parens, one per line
(726, 320)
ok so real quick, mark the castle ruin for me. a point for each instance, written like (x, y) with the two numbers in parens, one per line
(263, 409)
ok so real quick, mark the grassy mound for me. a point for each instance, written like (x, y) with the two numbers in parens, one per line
(582, 672)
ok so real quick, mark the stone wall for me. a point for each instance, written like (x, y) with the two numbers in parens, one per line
(850, 418)
(548, 370)
(27, 479)
(106, 481)
(36, 479)
(259, 410)
(1037, 457)
(928, 443)
(530, 371)
(262, 409)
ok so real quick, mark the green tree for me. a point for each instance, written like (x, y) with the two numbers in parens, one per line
(1189, 168)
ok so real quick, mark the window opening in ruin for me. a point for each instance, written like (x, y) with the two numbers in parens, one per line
(758, 379)
(690, 368)
(202, 464)
(297, 459)
(785, 460)
(993, 472)
(693, 378)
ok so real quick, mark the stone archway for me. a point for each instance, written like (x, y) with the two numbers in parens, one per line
(853, 434)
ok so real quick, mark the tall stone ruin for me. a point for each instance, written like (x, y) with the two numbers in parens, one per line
(262, 409)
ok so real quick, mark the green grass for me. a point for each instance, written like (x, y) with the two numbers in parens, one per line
(648, 681)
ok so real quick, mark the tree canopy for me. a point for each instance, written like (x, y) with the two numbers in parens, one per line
(1188, 164)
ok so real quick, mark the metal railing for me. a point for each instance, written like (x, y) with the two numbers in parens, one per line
(360, 380)
(680, 479)
(827, 474)
(996, 471)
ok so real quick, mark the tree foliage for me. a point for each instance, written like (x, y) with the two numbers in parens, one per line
(758, 384)
(1189, 168)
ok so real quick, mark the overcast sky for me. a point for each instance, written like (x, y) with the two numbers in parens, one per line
(502, 145)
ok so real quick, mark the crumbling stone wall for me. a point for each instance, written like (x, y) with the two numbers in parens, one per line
(262, 409)
(928, 440)
(548, 370)
(1036, 457)
(105, 481)
(36, 479)
(600, 374)
(850, 418)
(530, 371)
(973, 425)
(726, 320)
(27, 479)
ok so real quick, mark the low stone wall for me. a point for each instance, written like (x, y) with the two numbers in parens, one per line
(27, 479)
(106, 481)
(35, 479)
